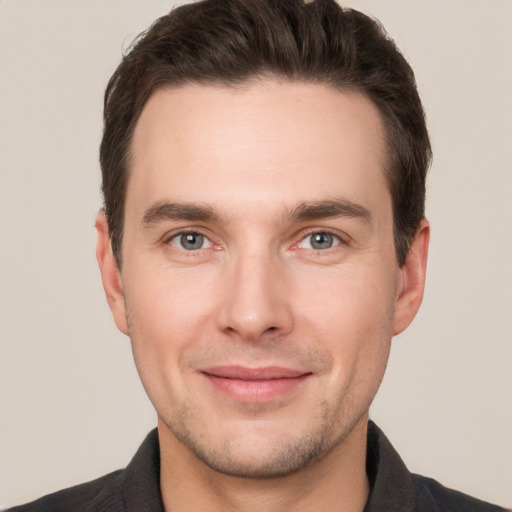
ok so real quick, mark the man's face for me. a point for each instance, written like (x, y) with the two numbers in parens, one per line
(259, 280)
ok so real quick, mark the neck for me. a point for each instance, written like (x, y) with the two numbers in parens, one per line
(337, 482)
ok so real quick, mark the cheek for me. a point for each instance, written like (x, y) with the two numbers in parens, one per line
(169, 299)
(167, 312)
(348, 298)
(350, 313)
(354, 322)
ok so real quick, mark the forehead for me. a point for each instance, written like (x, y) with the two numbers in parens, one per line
(284, 138)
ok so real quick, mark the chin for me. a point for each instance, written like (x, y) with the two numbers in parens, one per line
(261, 460)
(259, 453)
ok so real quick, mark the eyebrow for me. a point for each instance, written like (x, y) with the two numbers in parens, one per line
(329, 209)
(163, 211)
(311, 210)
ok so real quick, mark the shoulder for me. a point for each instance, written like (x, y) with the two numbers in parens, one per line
(431, 495)
(394, 487)
(134, 488)
(103, 494)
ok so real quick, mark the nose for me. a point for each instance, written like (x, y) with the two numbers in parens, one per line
(256, 301)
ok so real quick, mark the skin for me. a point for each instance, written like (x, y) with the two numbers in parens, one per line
(259, 175)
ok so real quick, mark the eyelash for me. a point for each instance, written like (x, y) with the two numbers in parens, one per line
(186, 232)
(336, 241)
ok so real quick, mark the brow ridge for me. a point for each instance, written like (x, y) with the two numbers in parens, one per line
(310, 210)
(163, 210)
(330, 208)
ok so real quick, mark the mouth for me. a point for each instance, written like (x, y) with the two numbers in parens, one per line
(255, 385)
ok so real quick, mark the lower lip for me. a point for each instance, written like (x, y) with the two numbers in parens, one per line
(256, 390)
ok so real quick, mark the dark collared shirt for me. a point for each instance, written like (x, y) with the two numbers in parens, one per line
(137, 488)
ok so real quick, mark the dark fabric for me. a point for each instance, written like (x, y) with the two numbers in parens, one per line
(136, 488)
(394, 488)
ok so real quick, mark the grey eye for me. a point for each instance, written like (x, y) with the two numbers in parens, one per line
(190, 241)
(320, 241)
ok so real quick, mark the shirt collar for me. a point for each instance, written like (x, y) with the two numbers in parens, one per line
(391, 485)
(141, 479)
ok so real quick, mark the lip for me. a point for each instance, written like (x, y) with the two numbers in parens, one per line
(255, 384)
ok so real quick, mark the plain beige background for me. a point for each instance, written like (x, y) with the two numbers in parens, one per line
(71, 406)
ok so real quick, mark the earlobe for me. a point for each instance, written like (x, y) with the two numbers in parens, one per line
(412, 279)
(110, 274)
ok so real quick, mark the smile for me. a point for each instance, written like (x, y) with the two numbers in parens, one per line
(255, 384)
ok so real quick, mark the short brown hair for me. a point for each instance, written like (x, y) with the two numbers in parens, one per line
(228, 42)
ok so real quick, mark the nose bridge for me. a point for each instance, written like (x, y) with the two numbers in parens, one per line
(255, 303)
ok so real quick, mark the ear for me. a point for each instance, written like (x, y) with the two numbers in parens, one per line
(412, 279)
(110, 274)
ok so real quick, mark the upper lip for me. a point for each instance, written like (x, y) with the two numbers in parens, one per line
(246, 373)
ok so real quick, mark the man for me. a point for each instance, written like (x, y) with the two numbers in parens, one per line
(262, 241)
